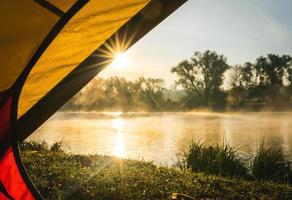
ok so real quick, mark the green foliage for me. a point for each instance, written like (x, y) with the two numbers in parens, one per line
(117, 93)
(267, 81)
(34, 146)
(201, 76)
(57, 147)
(271, 69)
(271, 72)
(271, 164)
(242, 83)
(59, 175)
(218, 100)
(42, 146)
(214, 159)
(151, 93)
(205, 80)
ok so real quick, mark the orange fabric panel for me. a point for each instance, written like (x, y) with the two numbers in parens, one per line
(85, 32)
(24, 25)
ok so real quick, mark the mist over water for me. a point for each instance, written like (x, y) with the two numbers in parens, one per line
(159, 136)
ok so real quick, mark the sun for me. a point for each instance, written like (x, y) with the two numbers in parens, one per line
(121, 60)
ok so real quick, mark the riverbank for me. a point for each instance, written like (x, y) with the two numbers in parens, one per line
(60, 175)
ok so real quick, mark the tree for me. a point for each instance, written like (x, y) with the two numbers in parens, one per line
(151, 92)
(201, 77)
(271, 71)
(242, 83)
(289, 74)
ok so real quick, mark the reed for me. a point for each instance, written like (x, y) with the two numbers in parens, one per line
(271, 164)
(222, 160)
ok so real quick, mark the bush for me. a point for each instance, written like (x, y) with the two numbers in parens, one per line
(57, 147)
(271, 164)
(214, 159)
(34, 145)
(41, 146)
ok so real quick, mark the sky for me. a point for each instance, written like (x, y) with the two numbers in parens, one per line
(241, 30)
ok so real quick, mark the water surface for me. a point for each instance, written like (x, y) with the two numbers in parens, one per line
(159, 136)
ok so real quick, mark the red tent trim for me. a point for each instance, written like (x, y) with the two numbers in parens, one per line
(13, 183)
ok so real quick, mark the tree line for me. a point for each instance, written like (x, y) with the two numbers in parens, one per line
(205, 80)
(117, 93)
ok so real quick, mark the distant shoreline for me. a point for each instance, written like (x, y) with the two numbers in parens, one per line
(173, 112)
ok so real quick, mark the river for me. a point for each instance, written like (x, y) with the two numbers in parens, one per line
(159, 136)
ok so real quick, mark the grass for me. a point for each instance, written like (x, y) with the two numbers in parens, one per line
(213, 159)
(271, 164)
(60, 175)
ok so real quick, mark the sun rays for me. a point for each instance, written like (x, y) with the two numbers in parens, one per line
(113, 51)
(120, 61)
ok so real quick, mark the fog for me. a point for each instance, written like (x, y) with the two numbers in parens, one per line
(159, 136)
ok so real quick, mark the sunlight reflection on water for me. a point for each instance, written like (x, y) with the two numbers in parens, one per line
(119, 148)
(159, 136)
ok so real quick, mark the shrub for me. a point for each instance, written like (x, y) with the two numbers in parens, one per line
(271, 164)
(34, 146)
(41, 146)
(214, 159)
(57, 147)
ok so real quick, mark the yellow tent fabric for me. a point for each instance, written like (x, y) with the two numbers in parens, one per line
(64, 5)
(86, 31)
(46, 44)
(21, 33)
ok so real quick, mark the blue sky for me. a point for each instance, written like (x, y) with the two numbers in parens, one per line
(242, 30)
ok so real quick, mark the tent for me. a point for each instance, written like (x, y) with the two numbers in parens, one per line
(50, 49)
